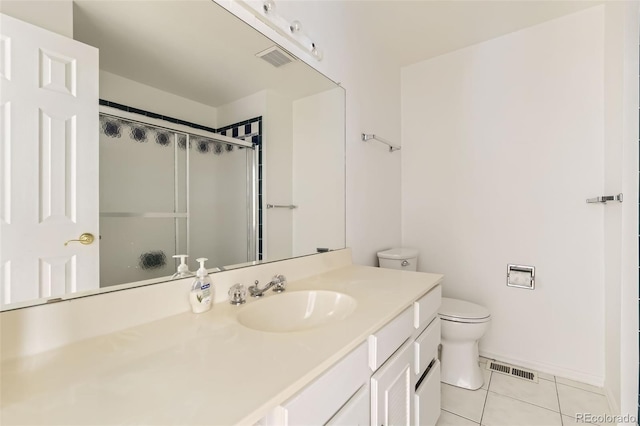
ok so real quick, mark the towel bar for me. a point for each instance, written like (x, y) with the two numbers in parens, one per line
(603, 199)
(280, 206)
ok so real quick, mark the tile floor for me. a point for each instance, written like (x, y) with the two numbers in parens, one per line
(509, 401)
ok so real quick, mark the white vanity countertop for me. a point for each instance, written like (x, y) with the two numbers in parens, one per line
(200, 368)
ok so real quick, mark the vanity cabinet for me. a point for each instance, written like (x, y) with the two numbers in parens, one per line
(322, 399)
(391, 379)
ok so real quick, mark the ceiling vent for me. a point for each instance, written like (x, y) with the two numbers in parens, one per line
(276, 56)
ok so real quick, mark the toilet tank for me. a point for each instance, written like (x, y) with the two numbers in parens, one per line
(399, 258)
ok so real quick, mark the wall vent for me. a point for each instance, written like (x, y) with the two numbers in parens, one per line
(512, 371)
(276, 56)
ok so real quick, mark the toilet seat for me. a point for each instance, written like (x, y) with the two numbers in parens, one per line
(462, 311)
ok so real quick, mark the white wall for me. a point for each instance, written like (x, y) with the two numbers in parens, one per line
(614, 62)
(318, 172)
(502, 144)
(242, 109)
(56, 16)
(115, 88)
(621, 220)
(372, 106)
(277, 139)
(277, 175)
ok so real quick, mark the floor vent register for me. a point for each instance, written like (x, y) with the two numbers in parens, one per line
(510, 370)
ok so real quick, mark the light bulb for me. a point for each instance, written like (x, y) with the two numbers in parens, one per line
(295, 26)
(317, 53)
(269, 6)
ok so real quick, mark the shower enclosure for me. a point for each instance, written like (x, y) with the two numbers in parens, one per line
(166, 191)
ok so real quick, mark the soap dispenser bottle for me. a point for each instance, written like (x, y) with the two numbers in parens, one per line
(200, 296)
(183, 269)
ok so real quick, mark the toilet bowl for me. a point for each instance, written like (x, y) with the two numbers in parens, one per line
(463, 324)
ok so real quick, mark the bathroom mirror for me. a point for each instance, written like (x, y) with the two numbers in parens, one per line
(213, 142)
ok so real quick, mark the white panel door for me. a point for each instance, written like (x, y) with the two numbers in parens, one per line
(392, 389)
(48, 163)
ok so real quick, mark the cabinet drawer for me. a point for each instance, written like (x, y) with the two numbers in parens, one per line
(319, 401)
(427, 398)
(384, 342)
(426, 346)
(426, 308)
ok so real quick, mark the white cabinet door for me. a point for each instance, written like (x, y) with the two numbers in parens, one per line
(355, 412)
(48, 163)
(392, 389)
(427, 398)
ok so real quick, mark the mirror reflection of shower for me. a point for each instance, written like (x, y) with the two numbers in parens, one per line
(150, 171)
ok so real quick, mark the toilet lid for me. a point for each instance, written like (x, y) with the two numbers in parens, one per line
(461, 309)
(398, 253)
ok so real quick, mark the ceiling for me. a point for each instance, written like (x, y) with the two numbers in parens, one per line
(194, 49)
(198, 50)
(412, 31)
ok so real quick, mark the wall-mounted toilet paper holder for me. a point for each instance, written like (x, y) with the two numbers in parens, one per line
(521, 276)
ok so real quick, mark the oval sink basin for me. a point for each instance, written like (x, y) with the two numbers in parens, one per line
(296, 311)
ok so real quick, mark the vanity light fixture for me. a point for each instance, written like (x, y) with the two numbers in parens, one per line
(292, 30)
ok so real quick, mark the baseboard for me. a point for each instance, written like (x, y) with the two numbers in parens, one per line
(555, 370)
(613, 404)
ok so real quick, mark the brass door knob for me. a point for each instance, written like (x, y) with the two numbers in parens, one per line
(85, 239)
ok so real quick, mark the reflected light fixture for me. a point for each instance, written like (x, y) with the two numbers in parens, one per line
(269, 6)
(295, 27)
(293, 30)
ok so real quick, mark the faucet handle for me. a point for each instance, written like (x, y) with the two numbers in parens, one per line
(237, 294)
(279, 283)
(255, 290)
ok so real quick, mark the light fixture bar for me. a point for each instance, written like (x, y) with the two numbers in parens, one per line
(266, 12)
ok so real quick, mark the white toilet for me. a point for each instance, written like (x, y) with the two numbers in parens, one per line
(463, 324)
(399, 258)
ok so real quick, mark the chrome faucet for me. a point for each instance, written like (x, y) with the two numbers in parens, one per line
(278, 282)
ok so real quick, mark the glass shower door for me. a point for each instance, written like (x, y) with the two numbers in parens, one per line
(220, 205)
(143, 200)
